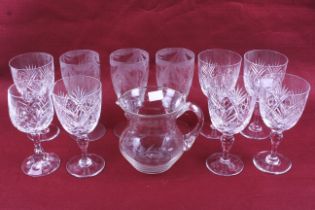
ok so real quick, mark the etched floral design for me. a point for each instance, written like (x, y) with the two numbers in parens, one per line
(178, 77)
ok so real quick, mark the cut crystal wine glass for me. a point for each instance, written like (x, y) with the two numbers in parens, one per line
(33, 74)
(282, 102)
(83, 62)
(129, 70)
(212, 62)
(77, 101)
(230, 111)
(32, 115)
(257, 63)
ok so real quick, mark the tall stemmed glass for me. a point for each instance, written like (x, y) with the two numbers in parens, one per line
(32, 115)
(78, 101)
(230, 111)
(33, 74)
(86, 63)
(282, 102)
(129, 70)
(257, 63)
(213, 62)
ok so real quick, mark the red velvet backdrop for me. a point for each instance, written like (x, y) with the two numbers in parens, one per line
(57, 26)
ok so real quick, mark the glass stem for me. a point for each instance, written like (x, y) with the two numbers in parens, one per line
(83, 145)
(276, 138)
(256, 115)
(226, 144)
(38, 149)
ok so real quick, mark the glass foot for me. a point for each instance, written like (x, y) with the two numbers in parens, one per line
(119, 128)
(256, 131)
(36, 167)
(81, 168)
(232, 166)
(48, 134)
(210, 132)
(277, 165)
(97, 133)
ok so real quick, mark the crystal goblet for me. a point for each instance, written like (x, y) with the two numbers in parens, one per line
(77, 101)
(257, 63)
(212, 62)
(33, 74)
(230, 111)
(282, 102)
(87, 63)
(32, 115)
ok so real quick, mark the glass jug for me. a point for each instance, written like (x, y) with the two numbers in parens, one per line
(152, 142)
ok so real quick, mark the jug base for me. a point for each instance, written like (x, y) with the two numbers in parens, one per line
(149, 169)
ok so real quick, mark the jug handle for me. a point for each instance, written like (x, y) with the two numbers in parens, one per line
(190, 137)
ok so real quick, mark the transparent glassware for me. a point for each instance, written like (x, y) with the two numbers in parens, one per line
(230, 111)
(77, 101)
(257, 63)
(129, 69)
(33, 74)
(32, 115)
(282, 102)
(175, 69)
(83, 62)
(213, 62)
(152, 142)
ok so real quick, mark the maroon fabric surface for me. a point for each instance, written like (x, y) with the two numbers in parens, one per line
(58, 26)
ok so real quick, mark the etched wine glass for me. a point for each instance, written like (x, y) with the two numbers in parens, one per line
(33, 74)
(213, 62)
(282, 102)
(83, 62)
(32, 115)
(77, 101)
(230, 111)
(129, 69)
(257, 63)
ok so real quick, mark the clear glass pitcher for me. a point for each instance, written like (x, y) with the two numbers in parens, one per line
(152, 142)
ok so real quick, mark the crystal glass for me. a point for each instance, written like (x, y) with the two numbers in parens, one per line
(33, 74)
(87, 63)
(175, 69)
(77, 100)
(213, 62)
(282, 101)
(230, 111)
(152, 142)
(32, 115)
(257, 63)
(129, 69)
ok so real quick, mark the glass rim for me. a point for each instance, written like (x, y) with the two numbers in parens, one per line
(266, 50)
(12, 88)
(186, 50)
(116, 52)
(238, 62)
(62, 60)
(154, 88)
(50, 56)
(99, 88)
(307, 84)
